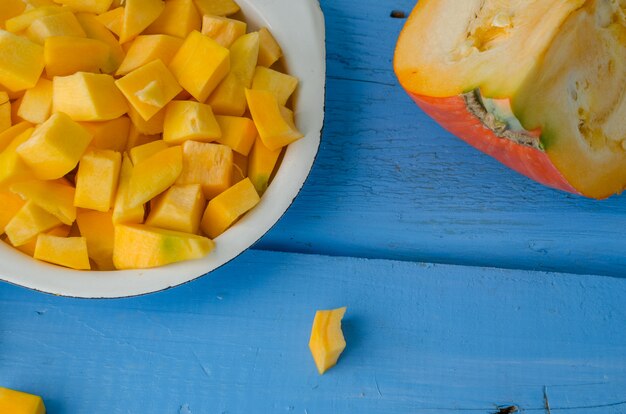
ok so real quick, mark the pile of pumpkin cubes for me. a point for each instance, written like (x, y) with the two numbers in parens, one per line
(134, 132)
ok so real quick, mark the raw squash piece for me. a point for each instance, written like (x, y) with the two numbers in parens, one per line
(154, 175)
(121, 212)
(113, 20)
(150, 127)
(61, 24)
(96, 30)
(269, 49)
(149, 88)
(55, 147)
(200, 65)
(146, 48)
(139, 247)
(209, 165)
(11, 204)
(223, 210)
(66, 55)
(5, 112)
(179, 208)
(7, 136)
(97, 228)
(237, 132)
(88, 97)
(60, 231)
(10, 8)
(280, 84)
(327, 341)
(217, 7)
(275, 130)
(20, 23)
(229, 97)
(97, 179)
(90, 6)
(22, 73)
(109, 135)
(139, 14)
(36, 104)
(145, 151)
(179, 18)
(16, 402)
(54, 197)
(189, 120)
(28, 223)
(222, 29)
(261, 164)
(12, 168)
(136, 138)
(64, 251)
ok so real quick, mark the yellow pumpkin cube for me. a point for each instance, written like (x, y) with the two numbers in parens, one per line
(61, 24)
(327, 341)
(7, 136)
(136, 138)
(229, 97)
(179, 18)
(16, 402)
(11, 204)
(63, 251)
(149, 88)
(222, 29)
(179, 208)
(200, 65)
(145, 151)
(55, 147)
(12, 168)
(97, 179)
(138, 15)
(66, 55)
(9, 9)
(109, 135)
(209, 165)
(55, 197)
(280, 84)
(147, 48)
(28, 222)
(60, 231)
(138, 246)
(5, 112)
(261, 164)
(269, 49)
(189, 120)
(275, 129)
(217, 7)
(96, 30)
(97, 228)
(121, 212)
(88, 97)
(237, 132)
(223, 210)
(154, 175)
(90, 6)
(36, 104)
(21, 22)
(113, 20)
(22, 73)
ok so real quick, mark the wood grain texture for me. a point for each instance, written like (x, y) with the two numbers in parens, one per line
(421, 339)
(390, 183)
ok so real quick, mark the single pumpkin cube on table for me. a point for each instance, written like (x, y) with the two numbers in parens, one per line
(138, 15)
(269, 49)
(23, 73)
(147, 48)
(113, 20)
(280, 84)
(60, 24)
(28, 222)
(109, 135)
(189, 120)
(238, 133)
(12, 168)
(16, 402)
(179, 18)
(36, 104)
(327, 341)
(97, 179)
(97, 228)
(5, 112)
(55, 196)
(180, 208)
(64, 251)
(209, 165)
(145, 151)
(11, 203)
(222, 29)
(217, 7)
(90, 6)
(96, 30)
(261, 164)
(122, 213)
(66, 55)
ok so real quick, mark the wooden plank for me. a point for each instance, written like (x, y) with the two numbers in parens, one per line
(421, 339)
(390, 183)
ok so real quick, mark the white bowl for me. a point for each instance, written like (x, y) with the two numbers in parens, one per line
(298, 26)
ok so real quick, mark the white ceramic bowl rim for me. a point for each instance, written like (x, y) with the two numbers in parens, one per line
(298, 26)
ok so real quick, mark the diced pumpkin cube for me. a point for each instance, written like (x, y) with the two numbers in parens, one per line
(217, 7)
(229, 97)
(209, 165)
(139, 247)
(150, 127)
(179, 18)
(261, 164)
(138, 15)
(36, 104)
(64, 251)
(109, 135)
(280, 84)
(200, 65)
(180, 208)
(222, 29)
(23, 21)
(189, 120)
(90, 6)
(88, 97)
(121, 212)
(29, 248)
(97, 179)
(145, 151)
(16, 402)
(55, 147)
(154, 175)
(275, 129)
(96, 30)
(223, 210)
(146, 48)
(61, 24)
(12, 168)
(269, 49)
(237, 132)
(97, 228)
(22, 73)
(54, 197)
(5, 112)
(28, 222)
(7, 136)
(136, 138)
(113, 20)
(11, 204)
(9, 9)
(327, 341)
(149, 88)
(66, 55)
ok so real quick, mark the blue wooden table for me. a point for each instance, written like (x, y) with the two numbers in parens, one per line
(469, 288)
